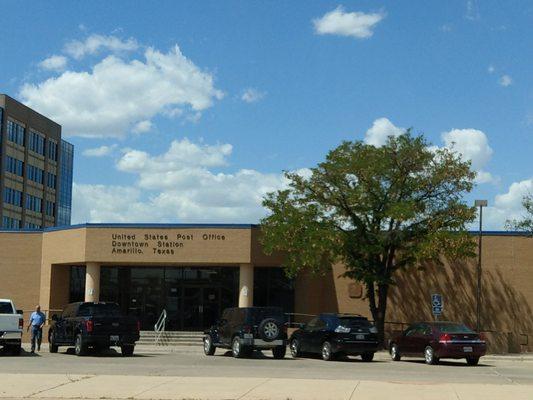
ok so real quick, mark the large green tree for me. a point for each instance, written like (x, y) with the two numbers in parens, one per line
(376, 210)
(526, 223)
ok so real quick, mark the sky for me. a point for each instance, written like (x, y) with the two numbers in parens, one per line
(190, 111)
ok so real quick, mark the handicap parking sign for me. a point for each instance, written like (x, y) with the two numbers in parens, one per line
(436, 304)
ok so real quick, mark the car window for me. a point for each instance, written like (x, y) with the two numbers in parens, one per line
(5, 308)
(354, 322)
(426, 330)
(320, 324)
(256, 315)
(99, 310)
(67, 312)
(411, 330)
(312, 324)
(453, 328)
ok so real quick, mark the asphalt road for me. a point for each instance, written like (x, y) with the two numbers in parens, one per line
(190, 362)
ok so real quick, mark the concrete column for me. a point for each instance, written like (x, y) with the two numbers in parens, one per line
(246, 285)
(92, 282)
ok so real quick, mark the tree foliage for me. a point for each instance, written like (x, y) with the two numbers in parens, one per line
(374, 209)
(526, 223)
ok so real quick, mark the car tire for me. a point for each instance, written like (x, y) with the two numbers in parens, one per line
(127, 350)
(279, 352)
(429, 356)
(395, 352)
(269, 330)
(209, 348)
(367, 357)
(472, 361)
(327, 352)
(237, 349)
(295, 348)
(80, 348)
(52, 347)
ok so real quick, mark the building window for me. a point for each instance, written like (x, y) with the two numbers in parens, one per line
(52, 150)
(35, 174)
(51, 180)
(50, 207)
(36, 142)
(14, 166)
(31, 225)
(15, 133)
(272, 288)
(64, 203)
(13, 196)
(34, 203)
(10, 223)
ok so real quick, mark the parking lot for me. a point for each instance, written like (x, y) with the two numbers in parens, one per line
(191, 362)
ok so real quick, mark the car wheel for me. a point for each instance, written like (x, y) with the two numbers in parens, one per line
(209, 348)
(367, 357)
(237, 348)
(327, 352)
(395, 352)
(52, 347)
(269, 329)
(279, 352)
(80, 348)
(473, 361)
(429, 356)
(127, 350)
(295, 348)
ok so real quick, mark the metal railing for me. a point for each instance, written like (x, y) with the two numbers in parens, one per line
(160, 326)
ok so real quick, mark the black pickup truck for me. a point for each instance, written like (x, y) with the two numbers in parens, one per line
(96, 325)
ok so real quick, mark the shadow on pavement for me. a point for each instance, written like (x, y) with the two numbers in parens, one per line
(449, 363)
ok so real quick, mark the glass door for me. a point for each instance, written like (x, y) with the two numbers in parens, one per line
(192, 308)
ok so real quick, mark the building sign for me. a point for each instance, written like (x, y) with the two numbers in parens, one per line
(160, 243)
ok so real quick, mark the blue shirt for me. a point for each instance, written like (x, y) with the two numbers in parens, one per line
(37, 318)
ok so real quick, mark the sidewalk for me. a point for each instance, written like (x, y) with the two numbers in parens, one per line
(57, 386)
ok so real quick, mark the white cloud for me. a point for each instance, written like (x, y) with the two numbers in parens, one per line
(491, 69)
(355, 24)
(95, 43)
(54, 63)
(507, 206)
(472, 10)
(115, 94)
(179, 185)
(101, 151)
(142, 127)
(505, 81)
(380, 130)
(252, 95)
(473, 145)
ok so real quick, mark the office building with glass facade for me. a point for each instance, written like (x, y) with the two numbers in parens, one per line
(35, 169)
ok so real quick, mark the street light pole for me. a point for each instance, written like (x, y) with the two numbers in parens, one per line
(480, 204)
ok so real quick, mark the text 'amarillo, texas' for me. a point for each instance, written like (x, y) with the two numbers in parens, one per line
(125, 243)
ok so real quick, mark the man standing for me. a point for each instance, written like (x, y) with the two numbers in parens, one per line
(37, 320)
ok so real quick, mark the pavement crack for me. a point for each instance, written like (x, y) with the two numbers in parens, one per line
(253, 388)
(155, 386)
(70, 380)
(354, 389)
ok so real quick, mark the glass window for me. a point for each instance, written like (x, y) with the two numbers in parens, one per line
(273, 288)
(64, 204)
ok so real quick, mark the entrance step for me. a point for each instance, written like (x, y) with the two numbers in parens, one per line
(171, 338)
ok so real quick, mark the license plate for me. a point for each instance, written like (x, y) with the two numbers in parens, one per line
(114, 338)
(360, 337)
(248, 336)
(467, 349)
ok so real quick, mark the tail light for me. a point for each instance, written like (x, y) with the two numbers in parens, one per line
(89, 326)
(445, 338)
(482, 337)
(138, 326)
(247, 329)
(21, 323)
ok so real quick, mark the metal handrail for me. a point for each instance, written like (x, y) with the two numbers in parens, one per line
(160, 325)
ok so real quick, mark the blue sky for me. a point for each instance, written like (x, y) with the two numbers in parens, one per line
(199, 132)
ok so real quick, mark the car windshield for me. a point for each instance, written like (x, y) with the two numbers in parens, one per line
(453, 328)
(99, 310)
(258, 314)
(5, 308)
(354, 322)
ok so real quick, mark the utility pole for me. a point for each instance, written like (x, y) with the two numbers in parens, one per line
(480, 204)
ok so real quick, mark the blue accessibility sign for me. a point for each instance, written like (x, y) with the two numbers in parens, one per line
(436, 304)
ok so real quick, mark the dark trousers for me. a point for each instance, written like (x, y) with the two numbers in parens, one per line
(36, 337)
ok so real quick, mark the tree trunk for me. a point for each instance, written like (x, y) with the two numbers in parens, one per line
(378, 308)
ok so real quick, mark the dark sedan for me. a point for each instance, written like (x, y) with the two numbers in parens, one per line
(332, 335)
(436, 340)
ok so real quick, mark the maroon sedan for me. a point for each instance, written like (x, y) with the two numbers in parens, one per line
(436, 340)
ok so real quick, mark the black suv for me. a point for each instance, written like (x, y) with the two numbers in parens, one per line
(246, 329)
(331, 335)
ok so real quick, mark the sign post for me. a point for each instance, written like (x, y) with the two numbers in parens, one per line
(436, 305)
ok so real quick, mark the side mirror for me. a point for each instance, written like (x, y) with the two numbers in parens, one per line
(55, 317)
(20, 312)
